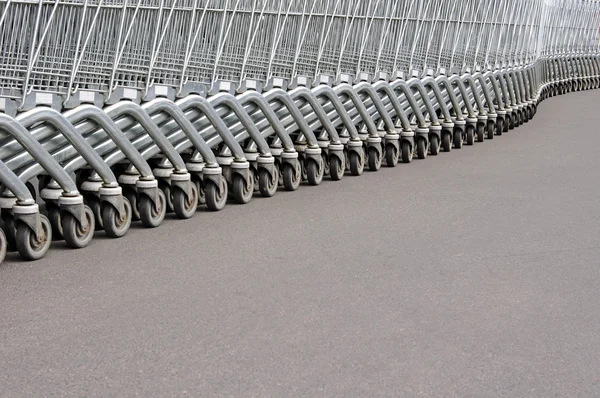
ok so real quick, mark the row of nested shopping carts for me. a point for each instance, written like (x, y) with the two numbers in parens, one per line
(113, 111)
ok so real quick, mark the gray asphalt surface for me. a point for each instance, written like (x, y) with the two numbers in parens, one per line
(473, 273)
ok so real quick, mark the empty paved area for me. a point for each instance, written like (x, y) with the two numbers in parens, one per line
(473, 273)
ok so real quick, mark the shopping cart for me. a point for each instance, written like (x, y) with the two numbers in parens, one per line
(114, 111)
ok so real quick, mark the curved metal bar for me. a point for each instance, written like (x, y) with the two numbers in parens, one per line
(232, 103)
(428, 81)
(327, 92)
(516, 88)
(171, 109)
(418, 84)
(368, 89)
(62, 125)
(348, 90)
(505, 88)
(455, 79)
(443, 80)
(524, 91)
(471, 83)
(263, 105)
(401, 85)
(89, 112)
(135, 111)
(45, 161)
(288, 102)
(202, 104)
(385, 87)
(310, 97)
(496, 88)
(18, 188)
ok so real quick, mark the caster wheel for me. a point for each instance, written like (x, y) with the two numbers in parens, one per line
(314, 174)
(152, 215)
(54, 217)
(421, 148)
(166, 188)
(336, 168)
(407, 152)
(131, 196)
(116, 226)
(242, 193)
(76, 236)
(357, 163)
(458, 139)
(10, 231)
(93, 202)
(470, 135)
(326, 165)
(201, 190)
(279, 171)
(481, 132)
(447, 142)
(3, 246)
(302, 161)
(267, 184)
(434, 145)
(490, 130)
(185, 207)
(510, 124)
(29, 247)
(392, 155)
(216, 195)
(292, 176)
(375, 159)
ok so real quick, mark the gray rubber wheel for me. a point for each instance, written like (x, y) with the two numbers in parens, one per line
(491, 126)
(326, 165)
(407, 152)
(116, 226)
(216, 195)
(185, 207)
(292, 176)
(10, 231)
(242, 193)
(421, 148)
(392, 155)
(267, 184)
(152, 215)
(314, 174)
(357, 164)
(336, 168)
(29, 247)
(480, 132)
(470, 135)
(201, 190)
(458, 139)
(131, 196)
(447, 142)
(166, 188)
(93, 203)
(54, 217)
(375, 159)
(434, 145)
(3, 246)
(76, 236)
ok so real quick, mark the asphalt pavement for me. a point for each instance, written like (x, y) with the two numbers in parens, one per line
(472, 273)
